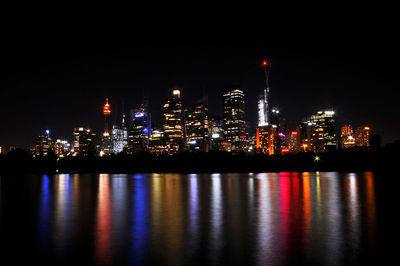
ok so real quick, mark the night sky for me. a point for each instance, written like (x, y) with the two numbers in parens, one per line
(60, 68)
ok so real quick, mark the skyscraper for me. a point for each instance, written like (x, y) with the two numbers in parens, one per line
(263, 101)
(173, 124)
(106, 140)
(85, 141)
(266, 140)
(42, 145)
(327, 121)
(347, 139)
(363, 136)
(140, 128)
(196, 127)
(234, 118)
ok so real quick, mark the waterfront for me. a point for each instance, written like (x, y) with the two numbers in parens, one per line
(325, 218)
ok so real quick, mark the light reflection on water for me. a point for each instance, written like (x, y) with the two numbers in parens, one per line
(175, 219)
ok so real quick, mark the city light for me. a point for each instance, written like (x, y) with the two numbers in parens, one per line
(47, 132)
(316, 158)
(137, 115)
(215, 136)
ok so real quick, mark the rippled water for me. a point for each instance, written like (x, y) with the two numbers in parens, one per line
(188, 219)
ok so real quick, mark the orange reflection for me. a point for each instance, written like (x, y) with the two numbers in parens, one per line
(103, 228)
(371, 207)
(306, 206)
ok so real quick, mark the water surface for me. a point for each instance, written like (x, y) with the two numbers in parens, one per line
(195, 219)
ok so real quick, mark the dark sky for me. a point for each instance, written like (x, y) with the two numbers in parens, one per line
(60, 68)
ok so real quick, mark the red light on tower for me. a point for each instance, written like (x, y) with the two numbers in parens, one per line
(266, 63)
(106, 108)
(294, 133)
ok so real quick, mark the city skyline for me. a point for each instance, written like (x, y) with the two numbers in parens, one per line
(59, 79)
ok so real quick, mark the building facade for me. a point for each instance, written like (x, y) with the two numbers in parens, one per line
(173, 123)
(197, 127)
(235, 119)
(327, 121)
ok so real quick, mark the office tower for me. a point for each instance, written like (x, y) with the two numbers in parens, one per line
(304, 131)
(318, 140)
(62, 148)
(157, 142)
(42, 145)
(266, 140)
(140, 128)
(196, 127)
(172, 124)
(234, 119)
(294, 142)
(106, 139)
(363, 136)
(86, 142)
(326, 121)
(119, 139)
(347, 139)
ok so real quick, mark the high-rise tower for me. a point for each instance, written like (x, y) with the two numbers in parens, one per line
(107, 112)
(264, 108)
(106, 141)
(173, 124)
(235, 118)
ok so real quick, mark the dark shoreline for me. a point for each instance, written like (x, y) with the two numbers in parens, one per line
(355, 160)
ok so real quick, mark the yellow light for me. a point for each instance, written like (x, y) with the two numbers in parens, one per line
(176, 92)
(316, 158)
(366, 128)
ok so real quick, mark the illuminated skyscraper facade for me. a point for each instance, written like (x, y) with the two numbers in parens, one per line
(363, 136)
(235, 119)
(119, 139)
(327, 121)
(42, 145)
(172, 122)
(62, 148)
(266, 140)
(294, 142)
(140, 128)
(263, 108)
(347, 139)
(196, 127)
(85, 141)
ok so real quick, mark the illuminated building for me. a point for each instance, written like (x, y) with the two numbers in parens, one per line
(196, 127)
(1, 150)
(119, 139)
(347, 139)
(85, 142)
(363, 136)
(140, 128)
(326, 120)
(42, 145)
(294, 142)
(304, 132)
(62, 148)
(318, 139)
(234, 119)
(106, 140)
(266, 140)
(263, 100)
(157, 143)
(172, 124)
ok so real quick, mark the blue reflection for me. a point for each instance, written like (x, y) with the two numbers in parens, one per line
(139, 230)
(45, 213)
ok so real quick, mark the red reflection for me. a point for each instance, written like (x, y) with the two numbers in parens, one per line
(103, 228)
(284, 194)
